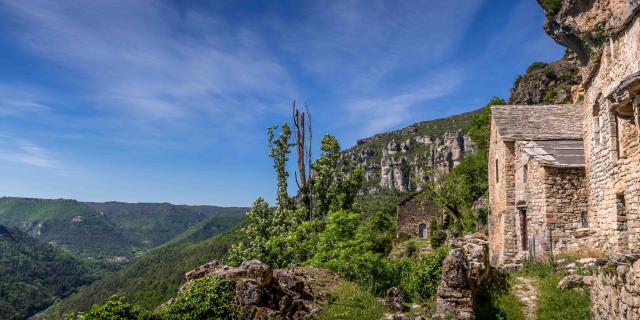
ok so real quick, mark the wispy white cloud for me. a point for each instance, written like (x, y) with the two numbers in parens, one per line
(380, 113)
(21, 101)
(135, 58)
(25, 152)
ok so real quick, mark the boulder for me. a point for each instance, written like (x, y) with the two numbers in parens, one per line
(394, 299)
(570, 281)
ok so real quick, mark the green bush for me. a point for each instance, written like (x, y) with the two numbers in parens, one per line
(551, 7)
(113, 309)
(204, 298)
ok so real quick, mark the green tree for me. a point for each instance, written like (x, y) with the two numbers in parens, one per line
(280, 149)
(479, 129)
(113, 309)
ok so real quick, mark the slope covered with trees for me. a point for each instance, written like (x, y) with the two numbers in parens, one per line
(34, 274)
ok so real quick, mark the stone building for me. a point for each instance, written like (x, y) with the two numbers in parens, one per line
(537, 186)
(611, 119)
(415, 215)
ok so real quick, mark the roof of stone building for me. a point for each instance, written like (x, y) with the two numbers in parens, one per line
(557, 153)
(545, 122)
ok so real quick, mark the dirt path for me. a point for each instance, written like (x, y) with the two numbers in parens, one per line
(525, 290)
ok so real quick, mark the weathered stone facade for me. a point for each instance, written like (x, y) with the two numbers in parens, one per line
(536, 181)
(611, 113)
(551, 199)
(415, 215)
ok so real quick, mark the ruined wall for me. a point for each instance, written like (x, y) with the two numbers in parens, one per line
(615, 288)
(611, 146)
(464, 270)
(502, 236)
(413, 212)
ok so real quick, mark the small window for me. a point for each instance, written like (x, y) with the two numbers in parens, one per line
(620, 204)
(422, 231)
(596, 122)
(584, 220)
(525, 174)
(497, 172)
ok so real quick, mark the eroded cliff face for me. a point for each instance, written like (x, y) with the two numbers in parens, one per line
(399, 160)
(548, 83)
(585, 25)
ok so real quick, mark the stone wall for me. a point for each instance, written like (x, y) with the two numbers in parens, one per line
(615, 288)
(555, 200)
(611, 145)
(502, 236)
(463, 272)
(412, 212)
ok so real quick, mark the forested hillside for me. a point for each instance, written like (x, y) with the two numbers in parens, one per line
(34, 274)
(112, 232)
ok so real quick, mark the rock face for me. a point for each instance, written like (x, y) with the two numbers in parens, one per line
(584, 25)
(263, 293)
(463, 272)
(547, 83)
(394, 160)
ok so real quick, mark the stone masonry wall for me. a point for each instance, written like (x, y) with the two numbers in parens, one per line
(615, 288)
(611, 148)
(412, 213)
(555, 200)
(502, 236)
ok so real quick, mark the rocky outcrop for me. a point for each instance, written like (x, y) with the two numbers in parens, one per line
(547, 83)
(398, 160)
(584, 25)
(463, 272)
(399, 169)
(264, 293)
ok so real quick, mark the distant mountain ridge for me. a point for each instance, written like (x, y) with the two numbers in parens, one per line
(111, 231)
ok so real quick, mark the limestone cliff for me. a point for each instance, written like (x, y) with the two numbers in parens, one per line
(397, 160)
(547, 83)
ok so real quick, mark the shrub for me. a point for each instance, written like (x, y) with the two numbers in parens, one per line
(204, 298)
(437, 237)
(551, 7)
(113, 309)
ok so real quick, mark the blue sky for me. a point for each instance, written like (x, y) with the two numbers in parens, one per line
(169, 100)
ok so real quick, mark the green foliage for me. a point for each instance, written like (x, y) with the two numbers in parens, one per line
(152, 279)
(116, 308)
(424, 279)
(437, 236)
(351, 302)
(280, 149)
(551, 7)
(34, 274)
(536, 66)
(558, 304)
(104, 230)
(204, 298)
(479, 128)
(496, 301)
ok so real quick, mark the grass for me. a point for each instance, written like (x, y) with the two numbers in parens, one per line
(351, 302)
(554, 303)
(496, 301)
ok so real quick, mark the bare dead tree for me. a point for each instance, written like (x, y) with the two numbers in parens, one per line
(303, 134)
